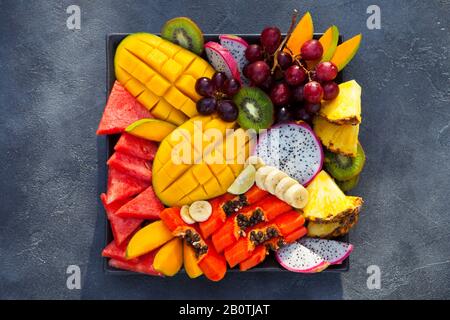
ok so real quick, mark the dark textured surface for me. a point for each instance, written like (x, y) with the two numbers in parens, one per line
(52, 91)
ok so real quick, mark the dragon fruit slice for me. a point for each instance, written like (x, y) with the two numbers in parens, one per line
(294, 149)
(237, 46)
(222, 60)
(332, 251)
(297, 258)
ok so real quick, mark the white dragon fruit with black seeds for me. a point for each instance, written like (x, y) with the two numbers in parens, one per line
(297, 258)
(236, 46)
(294, 149)
(222, 60)
(332, 251)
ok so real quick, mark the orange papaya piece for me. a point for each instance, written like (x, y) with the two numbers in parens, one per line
(240, 251)
(226, 235)
(273, 207)
(295, 235)
(289, 221)
(172, 219)
(217, 218)
(255, 194)
(258, 256)
(213, 265)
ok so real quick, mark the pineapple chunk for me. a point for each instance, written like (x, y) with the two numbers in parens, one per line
(337, 138)
(327, 203)
(346, 108)
(333, 229)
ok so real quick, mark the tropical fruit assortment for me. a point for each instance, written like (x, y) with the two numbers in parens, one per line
(229, 151)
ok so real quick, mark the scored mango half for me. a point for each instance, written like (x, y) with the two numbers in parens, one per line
(161, 75)
(199, 160)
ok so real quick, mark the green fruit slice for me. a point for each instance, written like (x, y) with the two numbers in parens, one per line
(255, 108)
(348, 185)
(244, 181)
(342, 167)
(184, 32)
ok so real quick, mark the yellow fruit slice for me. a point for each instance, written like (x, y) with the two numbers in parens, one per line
(161, 75)
(303, 32)
(191, 261)
(346, 51)
(147, 239)
(346, 108)
(244, 181)
(169, 258)
(150, 129)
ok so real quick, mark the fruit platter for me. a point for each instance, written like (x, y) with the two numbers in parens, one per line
(230, 153)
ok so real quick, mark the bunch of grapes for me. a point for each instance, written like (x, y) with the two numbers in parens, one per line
(217, 94)
(296, 91)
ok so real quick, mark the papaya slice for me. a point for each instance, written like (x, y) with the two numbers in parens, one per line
(258, 256)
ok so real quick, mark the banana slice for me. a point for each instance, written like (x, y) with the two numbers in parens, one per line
(296, 196)
(185, 216)
(272, 180)
(200, 210)
(283, 186)
(256, 161)
(261, 175)
(244, 181)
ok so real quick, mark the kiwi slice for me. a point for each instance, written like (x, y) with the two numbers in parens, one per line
(184, 32)
(343, 167)
(348, 185)
(255, 108)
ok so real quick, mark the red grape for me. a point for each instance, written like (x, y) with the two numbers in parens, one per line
(311, 50)
(295, 75)
(218, 80)
(227, 110)
(312, 108)
(280, 94)
(297, 94)
(302, 114)
(204, 87)
(267, 85)
(231, 87)
(258, 72)
(330, 90)
(254, 53)
(206, 106)
(270, 39)
(284, 60)
(283, 114)
(313, 92)
(326, 71)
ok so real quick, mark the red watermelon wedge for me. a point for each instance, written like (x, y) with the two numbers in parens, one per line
(122, 228)
(123, 186)
(145, 206)
(138, 168)
(112, 250)
(122, 109)
(137, 147)
(143, 265)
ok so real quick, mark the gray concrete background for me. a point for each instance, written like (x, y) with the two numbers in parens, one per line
(52, 92)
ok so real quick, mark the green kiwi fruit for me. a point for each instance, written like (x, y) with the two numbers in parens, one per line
(343, 167)
(255, 108)
(348, 185)
(184, 32)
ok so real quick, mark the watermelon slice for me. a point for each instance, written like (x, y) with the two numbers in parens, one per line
(145, 206)
(122, 228)
(122, 109)
(122, 186)
(138, 168)
(112, 250)
(137, 147)
(143, 265)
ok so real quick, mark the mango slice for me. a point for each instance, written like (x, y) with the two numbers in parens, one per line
(147, 239)
(346, 51)
(303, 32)
(191, 261)
(150, 129)
(169, 258)
(161, 75)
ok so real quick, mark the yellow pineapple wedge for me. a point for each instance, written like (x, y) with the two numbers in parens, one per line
(333, 229)
(337, 138)
(346, 108)
(327, 203)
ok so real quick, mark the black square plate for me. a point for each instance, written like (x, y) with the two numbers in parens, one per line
(270, 264)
